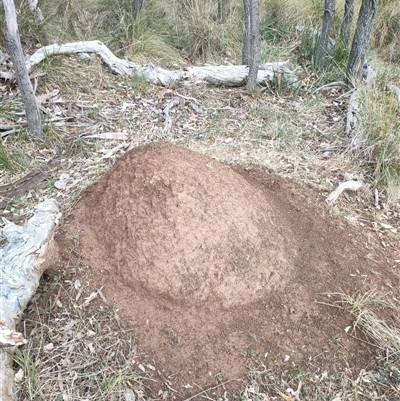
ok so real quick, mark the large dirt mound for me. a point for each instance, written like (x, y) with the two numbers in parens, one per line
(183, 226)
(211, 265)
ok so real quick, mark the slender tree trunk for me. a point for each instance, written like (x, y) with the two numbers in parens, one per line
(21, 72)
(222, 10)
(323, 43)
(34, 7)
(347, 21)
(246, 41)
(252, 41)
(359, 47)
(138, 7)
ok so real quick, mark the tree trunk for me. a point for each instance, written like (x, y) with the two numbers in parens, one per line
(252, 41)
(361, 40)
(138, 7)
(21, 72)
(323, 43)
(347, 21)
(222, 10)
(34, 7)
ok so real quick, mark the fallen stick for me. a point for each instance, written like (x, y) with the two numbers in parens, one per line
(352, 185)
(222, 75)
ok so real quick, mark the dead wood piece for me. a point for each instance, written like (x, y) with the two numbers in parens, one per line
(195, 107)
(227, 75)
(351, 185)
(168, 122)
(10, 337)
(24, 184)
(22, 262)
(351, 116)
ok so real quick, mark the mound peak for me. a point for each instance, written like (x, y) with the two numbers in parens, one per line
(170, 222)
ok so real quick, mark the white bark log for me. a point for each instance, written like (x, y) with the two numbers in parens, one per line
(224, 75)
(22, 262)
(348, 185)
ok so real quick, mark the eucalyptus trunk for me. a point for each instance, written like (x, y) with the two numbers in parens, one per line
(13, 43)
(362, 36)
(138, 7)
(252, 40)
(222, 10)
(323, 43)
(347, 21)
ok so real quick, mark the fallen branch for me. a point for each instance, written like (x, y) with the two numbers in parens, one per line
(29, 181)
(352, 109)
(225, 75)
(168, 122)
(22, 262)
(351, 185)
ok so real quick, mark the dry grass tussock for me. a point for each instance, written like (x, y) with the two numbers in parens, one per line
(73, 351)
(375, 141)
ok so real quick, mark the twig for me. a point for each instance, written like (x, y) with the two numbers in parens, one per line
(209, 389)
(172, 103)
(365, 342)
(187, 97)
(352, 185)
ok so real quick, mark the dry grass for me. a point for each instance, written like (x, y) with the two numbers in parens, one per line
(375, 140)
(385, 37)
(381, 382)
(73, 350)
(286, 131)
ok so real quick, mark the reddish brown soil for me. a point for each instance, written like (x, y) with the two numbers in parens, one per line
(211, 265)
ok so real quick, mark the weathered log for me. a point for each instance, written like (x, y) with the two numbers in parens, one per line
(22, 262)
(351, 185)
(222, 75)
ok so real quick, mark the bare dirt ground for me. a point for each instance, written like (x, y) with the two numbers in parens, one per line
(211, 265)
